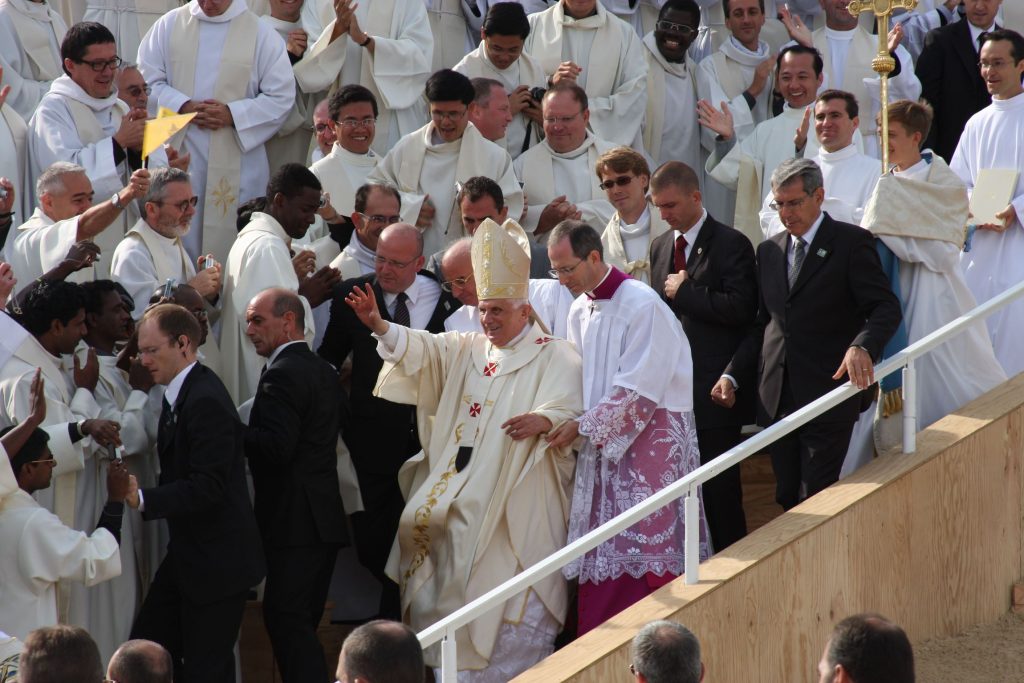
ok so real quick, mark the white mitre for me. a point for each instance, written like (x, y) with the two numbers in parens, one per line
(501, 261)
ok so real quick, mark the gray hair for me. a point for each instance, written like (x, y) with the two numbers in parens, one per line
(664, 651)
(127, 65)
(51, 181)
(159, 179)
(796, 168)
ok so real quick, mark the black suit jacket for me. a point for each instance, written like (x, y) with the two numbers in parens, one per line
(951, 82)
(291, 446)
(841, 298)
(716, 305)
(377, 431)
(214, 546)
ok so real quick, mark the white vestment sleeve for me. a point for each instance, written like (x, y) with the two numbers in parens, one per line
(708, 88)
(153, 58)
(53, 136)
(133, 267)
(49, 552)
(644, 358)
(25, 93)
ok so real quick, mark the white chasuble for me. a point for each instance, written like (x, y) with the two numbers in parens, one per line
(548, 174)
(259, 259)
(464, 532)
(992, 139)
(524, 71)
(229, 166)
(419, 167)
(30, 38)
(342, 173)
(145, 260)
(40, 244)
(395, 73)
(611, 56)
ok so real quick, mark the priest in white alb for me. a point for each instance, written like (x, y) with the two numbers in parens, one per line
(581, 42)
(500, 56)
(13, 155)
(488, 496)
(385, 46)
(216, 59)
(260, 259)
(626, 178)
(741, 72)
(558, 174)
(128, 20)
(638, 428)
(31, 32)
(925, 255)
(376, 207)
(992, 140)
(427, 165)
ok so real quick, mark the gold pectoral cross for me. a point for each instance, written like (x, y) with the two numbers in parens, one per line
(883, 63)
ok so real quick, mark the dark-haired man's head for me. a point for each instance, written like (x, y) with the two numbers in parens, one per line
(867, 648)
(353, 114)
(33, 464)
(1002, 63)
(799, 71)
(54, 313)
(90, 58)
(377, 206)
(676, 29)
(293, 198)
(479, 199)
(108, 315)
(503, 33)
(449, 95)
(381, 652)
(59, 654)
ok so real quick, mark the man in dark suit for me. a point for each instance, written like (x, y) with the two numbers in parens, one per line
(705, 272)
(826, 311)
(950, 79)
(195, 603)
(381, 435)
(291, 444)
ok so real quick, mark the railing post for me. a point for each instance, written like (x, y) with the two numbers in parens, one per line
(909, 407)
(691, 522)
(449, 658)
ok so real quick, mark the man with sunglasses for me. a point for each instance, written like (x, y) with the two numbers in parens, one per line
(82, 120)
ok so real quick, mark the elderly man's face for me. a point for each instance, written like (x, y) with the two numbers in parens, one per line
(265, 330)
(492, 118)
(457, 271)
(502, 320)
(132, 88)
(797, 209)
(96, 72)
(171, 216)
(74, 200)
(565, 122)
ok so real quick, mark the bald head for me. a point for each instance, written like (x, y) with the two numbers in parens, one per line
(273, 318)
(457, 271)
(399, 257)
(140, 661)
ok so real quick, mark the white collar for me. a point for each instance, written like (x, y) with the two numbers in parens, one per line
(601, 281)
(276, 352)
(642, 225)
(237, 8)
(808, 237)
(843, 154)
(975, 32)
(734, 49)
(576, 153)
(412, 292)
(174, 386)
(351, 158)
(66, 87)
(693, 232)
(837, 34)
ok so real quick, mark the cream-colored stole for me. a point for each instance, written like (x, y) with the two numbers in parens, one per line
(540, 169)
(654, 121)
(747, 217)
(863, 49)
(35, 41)
(546, 47)
(729, 75)
(148, 11)
(163, 269)
(615, 249)
(224, 170)
(449, 29)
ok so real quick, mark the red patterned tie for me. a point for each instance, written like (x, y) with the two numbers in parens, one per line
(680, 253)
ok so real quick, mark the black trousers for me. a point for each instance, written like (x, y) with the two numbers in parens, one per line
(200, 637)
(375, 529)
(293, 604)
(723, 495)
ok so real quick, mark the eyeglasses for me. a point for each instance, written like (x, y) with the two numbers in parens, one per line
(354, 123)
(377, 218)
(48, 461)
(180, 206)
(621, 181)
(994, 64)
(380, 261)
(321, 127)
(564, 120)
(564, 270)
(459, 282)
(449, 115)
(98, 65)
(136, 91)
(681, 29)
(778, 207)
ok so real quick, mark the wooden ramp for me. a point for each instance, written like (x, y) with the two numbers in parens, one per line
(932, 540)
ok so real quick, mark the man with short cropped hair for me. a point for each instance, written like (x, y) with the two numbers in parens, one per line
(666, 652)
(867, 648)
(489, 111)
(352, 116)
(377, 205)
(381, 651)
(141, 661)
(59, 654)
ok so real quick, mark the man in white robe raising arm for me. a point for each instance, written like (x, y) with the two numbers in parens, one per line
(488, 497)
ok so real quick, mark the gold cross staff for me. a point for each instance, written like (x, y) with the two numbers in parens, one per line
(883, 63)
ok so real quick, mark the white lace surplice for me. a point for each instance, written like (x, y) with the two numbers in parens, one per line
(633, 450)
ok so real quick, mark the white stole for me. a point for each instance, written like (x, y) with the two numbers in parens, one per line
(225, 156)
(654, 117)
(615, 249)
(863, 48)
(546, 46)
(539, 168)
(35, 41)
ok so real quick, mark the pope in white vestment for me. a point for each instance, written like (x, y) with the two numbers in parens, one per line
(30, 37)
(611, 57)
(395, 70)
(188, 58)
(487, 497)
(992, 139)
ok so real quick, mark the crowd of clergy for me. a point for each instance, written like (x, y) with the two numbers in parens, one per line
(542, 258)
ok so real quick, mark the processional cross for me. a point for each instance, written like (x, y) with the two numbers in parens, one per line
(883, 63)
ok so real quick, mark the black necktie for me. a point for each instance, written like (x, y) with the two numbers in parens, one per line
(401, 316)
(166, 420)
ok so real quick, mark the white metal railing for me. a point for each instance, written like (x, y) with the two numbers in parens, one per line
(444, 630)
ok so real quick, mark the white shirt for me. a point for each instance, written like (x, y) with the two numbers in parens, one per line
(423, 294)
(976, 33)
(174, 386)
(277, 352)
(692, 233)
(807, 237)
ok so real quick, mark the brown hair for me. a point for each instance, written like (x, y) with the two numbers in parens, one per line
(175, 321)
(916, 117)
(622, 160)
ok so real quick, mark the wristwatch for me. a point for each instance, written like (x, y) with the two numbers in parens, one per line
(116, 201)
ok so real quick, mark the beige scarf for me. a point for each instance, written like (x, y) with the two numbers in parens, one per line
(939, 206)
(223, 174)
(615, 249)
(35, 39)
(601, 67)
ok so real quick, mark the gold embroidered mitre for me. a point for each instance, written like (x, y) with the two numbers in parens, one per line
(501, 261)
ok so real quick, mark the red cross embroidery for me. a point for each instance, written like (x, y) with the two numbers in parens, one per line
(474, 410)
(490, 369)
(543, 340)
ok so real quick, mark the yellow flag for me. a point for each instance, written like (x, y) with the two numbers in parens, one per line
(164, 112)
(159, 130)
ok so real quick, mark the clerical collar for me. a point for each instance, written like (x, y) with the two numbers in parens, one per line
(277, 352)
(843, 154)
(693, 232)
(170, 241)
(576, 153)
(348, 157)
(1014, 102)
(66, 87)
(741, 49)
(918, 170)
(839, 34)
(280, 25)
(236, 9)
(608, 285)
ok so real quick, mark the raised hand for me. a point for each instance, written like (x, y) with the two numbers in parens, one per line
(797, 29)
(82, 254)
(719, 121)
(86, 376)
(364, 303)
(37, 400)
(800, 138)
